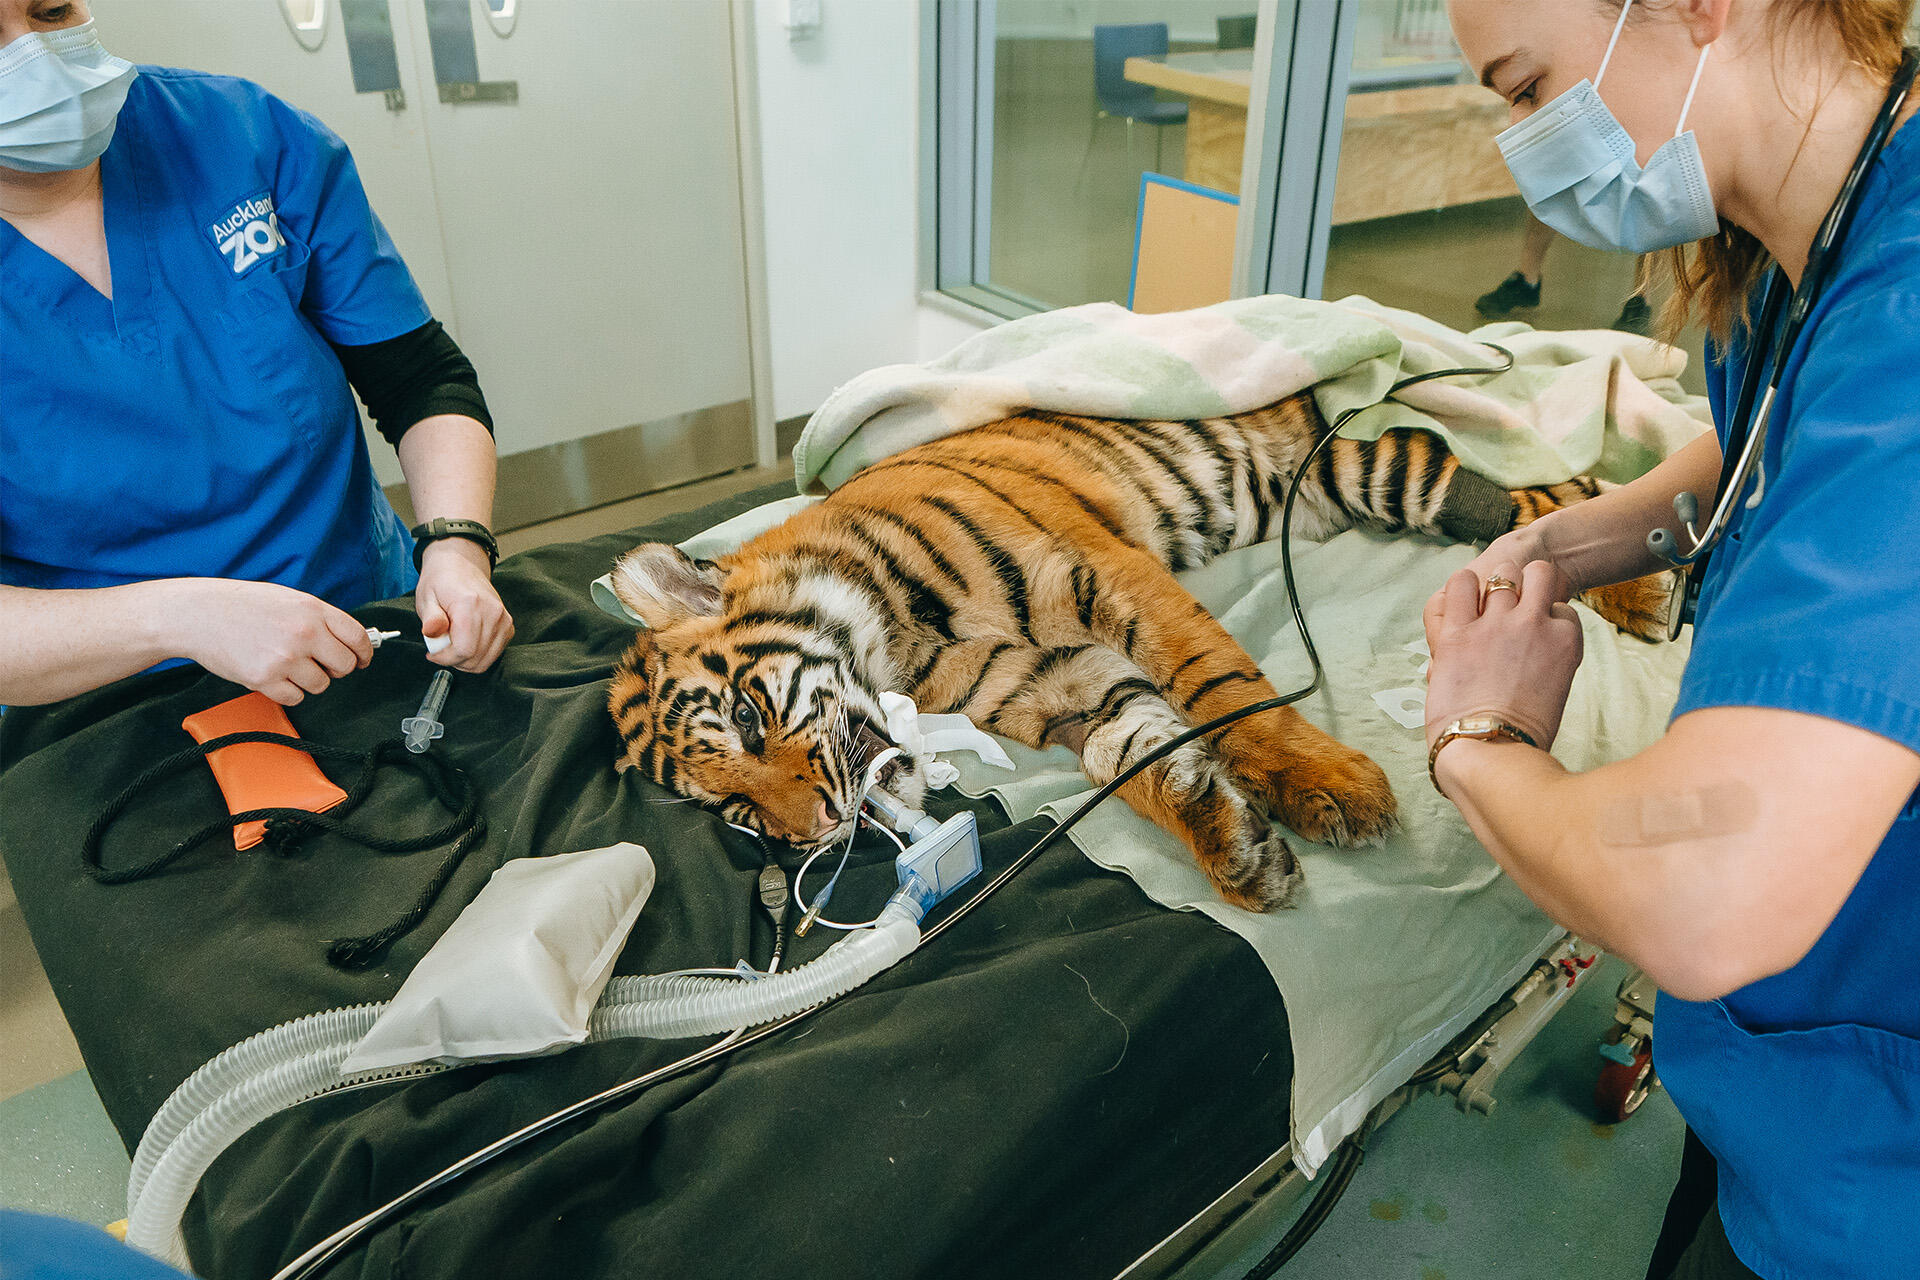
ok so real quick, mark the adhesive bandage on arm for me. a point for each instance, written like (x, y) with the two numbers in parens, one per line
(1646, 821)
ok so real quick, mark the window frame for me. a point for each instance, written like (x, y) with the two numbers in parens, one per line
(1302, 58)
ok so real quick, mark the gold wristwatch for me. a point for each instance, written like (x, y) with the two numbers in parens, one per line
(1484, 728)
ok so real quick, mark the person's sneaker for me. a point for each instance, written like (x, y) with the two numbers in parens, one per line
(1635, 317)
(1514, 294)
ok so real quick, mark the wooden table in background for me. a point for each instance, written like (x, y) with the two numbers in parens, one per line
(1401, 151)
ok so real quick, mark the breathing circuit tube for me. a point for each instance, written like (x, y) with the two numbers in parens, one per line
(630, 1006)
(300, 1060)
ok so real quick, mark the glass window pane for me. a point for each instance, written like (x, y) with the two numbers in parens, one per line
(1091, 98)
(1425, 214)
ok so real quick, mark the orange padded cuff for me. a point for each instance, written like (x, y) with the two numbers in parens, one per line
(260, 775)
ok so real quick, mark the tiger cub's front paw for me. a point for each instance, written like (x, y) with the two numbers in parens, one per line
(1248, 861)
(1261, 873)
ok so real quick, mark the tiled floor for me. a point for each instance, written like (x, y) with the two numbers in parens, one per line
(59, 1154)
(1535, 1191)
(35, 1046)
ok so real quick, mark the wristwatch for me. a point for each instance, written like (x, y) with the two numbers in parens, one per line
(1484, 728)
(447, 527)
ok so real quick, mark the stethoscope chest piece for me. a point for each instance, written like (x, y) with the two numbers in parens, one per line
(1681, 599)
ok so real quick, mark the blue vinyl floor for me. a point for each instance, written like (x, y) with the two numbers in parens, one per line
(1535, 1191)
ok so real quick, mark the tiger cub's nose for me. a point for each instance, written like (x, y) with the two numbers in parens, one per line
(825, 817)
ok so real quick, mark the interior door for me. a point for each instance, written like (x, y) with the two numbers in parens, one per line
(588, 182)
(563, 180)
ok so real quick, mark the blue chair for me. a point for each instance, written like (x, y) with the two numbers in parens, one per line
(1118, 98)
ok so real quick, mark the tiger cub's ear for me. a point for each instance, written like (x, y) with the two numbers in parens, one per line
(662, 584)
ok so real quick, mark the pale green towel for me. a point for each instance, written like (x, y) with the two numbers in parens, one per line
(1592, 402)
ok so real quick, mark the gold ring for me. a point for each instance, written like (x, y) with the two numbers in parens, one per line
(1498, 583)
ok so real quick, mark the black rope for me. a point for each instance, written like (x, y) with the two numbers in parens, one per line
(287, 828)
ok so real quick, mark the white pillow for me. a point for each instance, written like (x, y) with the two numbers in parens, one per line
(521, 969)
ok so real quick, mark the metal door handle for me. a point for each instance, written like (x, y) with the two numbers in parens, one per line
(458, 91)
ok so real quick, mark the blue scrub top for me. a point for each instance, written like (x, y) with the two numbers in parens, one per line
(198, 424)
(1806, 1085)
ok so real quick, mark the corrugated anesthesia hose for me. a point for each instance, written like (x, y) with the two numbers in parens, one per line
(300, 1060)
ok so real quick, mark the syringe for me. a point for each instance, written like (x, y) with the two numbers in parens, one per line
(423, 726)
(376, 638)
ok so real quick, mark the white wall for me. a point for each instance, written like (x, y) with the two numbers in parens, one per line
(839, 144)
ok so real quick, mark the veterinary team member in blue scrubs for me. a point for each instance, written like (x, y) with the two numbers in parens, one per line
(1762, 860)
(192, 286)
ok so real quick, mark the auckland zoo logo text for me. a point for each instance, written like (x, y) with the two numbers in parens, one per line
(248, 233)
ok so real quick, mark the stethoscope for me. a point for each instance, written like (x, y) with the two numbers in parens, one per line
(1741, 464)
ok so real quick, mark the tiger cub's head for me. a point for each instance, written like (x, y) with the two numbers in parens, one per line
(748, 699)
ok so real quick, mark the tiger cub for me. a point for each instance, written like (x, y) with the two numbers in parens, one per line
(1022, 573)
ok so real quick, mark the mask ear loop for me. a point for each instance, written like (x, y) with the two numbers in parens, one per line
(1613, 40)
(1680, 125)
(1606, 59)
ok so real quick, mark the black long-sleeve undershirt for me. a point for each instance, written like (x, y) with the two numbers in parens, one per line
(411, 377)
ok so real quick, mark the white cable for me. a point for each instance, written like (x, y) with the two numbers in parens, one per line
(883, 829)
(889, 833)
(844, 928)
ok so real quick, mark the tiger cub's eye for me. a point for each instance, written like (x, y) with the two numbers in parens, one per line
(745, 716)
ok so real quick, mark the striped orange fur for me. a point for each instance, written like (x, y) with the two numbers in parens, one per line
(1022, 573)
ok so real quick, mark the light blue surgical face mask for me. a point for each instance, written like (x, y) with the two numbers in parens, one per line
(1575, 167)
(60, 96)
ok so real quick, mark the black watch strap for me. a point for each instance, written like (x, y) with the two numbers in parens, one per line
(448, 527)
